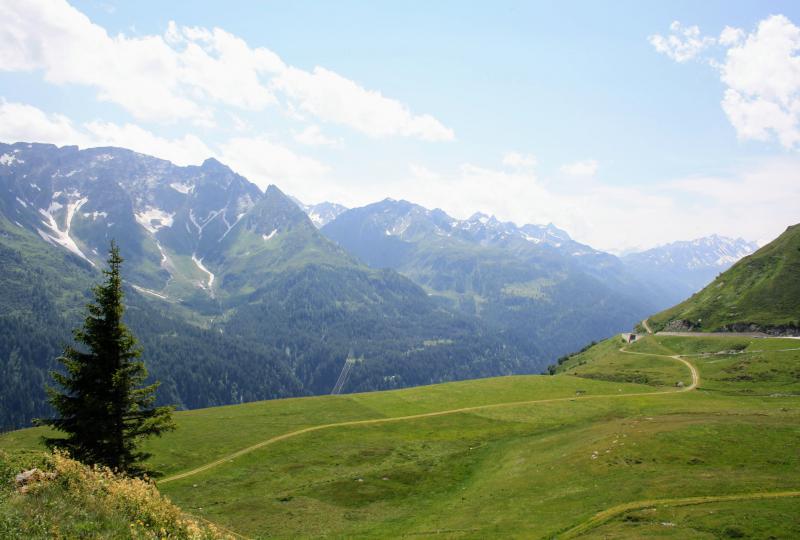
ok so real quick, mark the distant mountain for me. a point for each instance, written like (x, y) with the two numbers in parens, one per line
(234, 293)
(760, 292)
(321, 214)
(537, 286)
(679, 269)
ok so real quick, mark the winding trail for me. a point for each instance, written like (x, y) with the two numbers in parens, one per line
(679, 358)
(598, 519)
(608, 514)
(373, 421)
(647, 326)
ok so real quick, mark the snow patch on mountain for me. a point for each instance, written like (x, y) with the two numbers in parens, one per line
(150, 292)
(209, 218)
(56, 236)
(270, 235)
(9, 159)
(182, 188)
(321, 214)
(95, 215)
(154, 219)
(210, 284)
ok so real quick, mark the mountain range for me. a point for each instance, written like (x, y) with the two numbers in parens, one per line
(534, 281)
(238, 294)
(670, 272)
(677, 270)
(234, 293)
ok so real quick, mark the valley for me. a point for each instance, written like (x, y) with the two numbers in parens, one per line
(241, 295)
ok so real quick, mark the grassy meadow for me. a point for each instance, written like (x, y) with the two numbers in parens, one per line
(525, 456)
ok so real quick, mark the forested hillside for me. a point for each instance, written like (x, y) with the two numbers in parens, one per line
(233, 293)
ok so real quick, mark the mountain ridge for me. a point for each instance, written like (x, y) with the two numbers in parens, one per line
(234, 274)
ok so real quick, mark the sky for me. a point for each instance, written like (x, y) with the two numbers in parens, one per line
(628, 124)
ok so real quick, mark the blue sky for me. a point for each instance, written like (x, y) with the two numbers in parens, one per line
(563, 112)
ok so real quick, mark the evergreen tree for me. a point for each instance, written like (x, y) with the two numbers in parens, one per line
(103, 407)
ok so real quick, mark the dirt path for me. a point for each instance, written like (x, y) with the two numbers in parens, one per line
(607, 515)
(278, 438)
(679, 358)
(646, 326)
(595, 521)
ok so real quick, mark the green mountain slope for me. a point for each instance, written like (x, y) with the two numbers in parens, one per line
(524, 456)
(234, 293)
(760, 292)
(45, 289)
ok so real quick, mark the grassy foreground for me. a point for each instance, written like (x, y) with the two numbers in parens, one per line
(520, 457)
(65, 499)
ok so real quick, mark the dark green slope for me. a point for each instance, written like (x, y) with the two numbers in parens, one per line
(44, 289)
(759, 293)
(234, 294)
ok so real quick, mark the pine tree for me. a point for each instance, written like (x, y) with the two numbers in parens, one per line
(103, 407)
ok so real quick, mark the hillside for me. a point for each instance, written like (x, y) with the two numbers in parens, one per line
(581, 453)
(759, 293)
(234, 293)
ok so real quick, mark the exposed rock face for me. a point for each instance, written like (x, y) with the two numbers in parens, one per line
(683, 325)
(778, 330)
(680, 325)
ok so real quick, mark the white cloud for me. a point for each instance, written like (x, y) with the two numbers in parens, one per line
(261, 160)
(140, 74)
(761, 70)
(189, 72)
(21, 122)
(420, 172)
(515, 159)
(757, 202)
(333, 98)
(265, 162)
(684, 43)
(581, 168)
(763, 78)
(223, 67)
(730, 36)
(313, 136)
(187, 150)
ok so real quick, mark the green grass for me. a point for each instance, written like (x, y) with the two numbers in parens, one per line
(606, 362)
(736, 519)
(521, 469)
